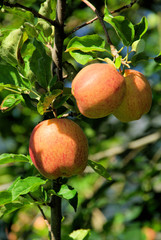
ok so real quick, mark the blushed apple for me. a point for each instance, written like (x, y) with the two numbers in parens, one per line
(98, 89)
(138, 97)
(58, 148)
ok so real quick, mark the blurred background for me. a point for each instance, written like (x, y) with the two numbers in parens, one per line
(129, 206)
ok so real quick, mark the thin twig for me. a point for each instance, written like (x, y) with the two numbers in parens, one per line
(96, 18)
(124, 7)
(33, 11)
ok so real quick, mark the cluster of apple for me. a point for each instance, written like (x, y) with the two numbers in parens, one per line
(99, 90)
(59, 147)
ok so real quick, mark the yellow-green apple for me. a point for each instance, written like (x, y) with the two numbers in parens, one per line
(58, 148)
(98, 89)
(138, 97)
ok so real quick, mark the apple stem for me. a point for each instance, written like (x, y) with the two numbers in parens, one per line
(56, 215)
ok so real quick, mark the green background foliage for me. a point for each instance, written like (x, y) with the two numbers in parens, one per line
(113, 209)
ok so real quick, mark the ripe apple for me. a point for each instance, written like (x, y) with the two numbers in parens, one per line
(138, 97)
(149, 233)
(98, 89)
(58, 148)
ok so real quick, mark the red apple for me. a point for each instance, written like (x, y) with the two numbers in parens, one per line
(98, 89)
(138, 97)
(58, 148)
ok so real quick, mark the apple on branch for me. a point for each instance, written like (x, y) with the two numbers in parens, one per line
(98, 89)
(58, 148)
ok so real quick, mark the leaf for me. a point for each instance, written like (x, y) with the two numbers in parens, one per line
(81, 234)
(45, 27)
(10, 102)
(87, 43)
(141, 28)
(13, 158)
(81, 57)
(139, 57)
(30, 29)
(158, 59)
(118, 62)
(10, 78)
(9, 208)
(21, 13)
(138, 46)
(45, 101)
(98, 168)
(40, 64)
(5, 197)
(10, 46)
(24, 186)
(123, 27)
(70, 194)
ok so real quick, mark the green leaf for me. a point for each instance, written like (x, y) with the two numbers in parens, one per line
(141, 28)
(81, 57)
(45, 27)
(10, 47)
(139, 57)
(13, 158)
(118, 62)
(10, 78)
(40, 64)
(87, 43)
(138, 46)
(9, 208)
(21, 13)
(70, 194)
(123, 27)
(10, 102)
(46, 100)
(24, 186)
(81, 234)
(158, 59)
(60, 101)
(5, 197)
(30, 29)
(98, 168)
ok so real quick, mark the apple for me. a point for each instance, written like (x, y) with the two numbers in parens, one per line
(98, 89)
(58, 148)
(138, 97)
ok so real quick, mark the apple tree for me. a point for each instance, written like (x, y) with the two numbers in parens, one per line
(43, 47)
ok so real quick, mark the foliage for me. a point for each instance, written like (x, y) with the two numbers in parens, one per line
(119, 193)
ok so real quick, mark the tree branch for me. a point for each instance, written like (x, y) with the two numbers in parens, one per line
(34, 12)
(96, 18)
(59, 38)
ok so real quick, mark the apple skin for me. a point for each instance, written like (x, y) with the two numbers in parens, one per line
(138, 97)
(58, 148)
(98, 89)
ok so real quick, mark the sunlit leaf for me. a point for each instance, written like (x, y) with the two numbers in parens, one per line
(98, 168)
(123, 27)
(138, 46)
(24, 186)
(13, 158)
(10, 102)
(81, 234)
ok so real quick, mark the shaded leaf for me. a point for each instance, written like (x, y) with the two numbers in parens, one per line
(141, 28)
(139, 57)
(40, 64)
(123, 27)
(5, 197)
(46, 100)
(13, 158)
(10, 78)
(9, 208)
(138, 46)
(158, 58)
(30, 29)
(10, 46)
(98, 168)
